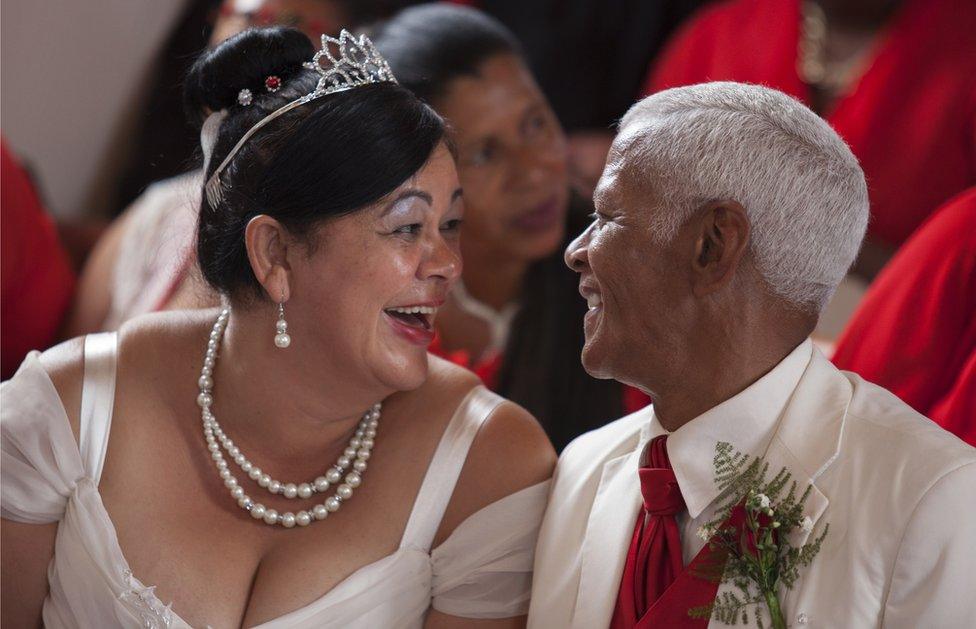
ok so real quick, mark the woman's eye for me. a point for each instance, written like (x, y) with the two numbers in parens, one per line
(598, 218)
(536, 123)
(482, 156)
(413, 228)
(452, 225)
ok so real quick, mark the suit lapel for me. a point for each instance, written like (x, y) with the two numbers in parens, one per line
(609, 531)
(806, 443)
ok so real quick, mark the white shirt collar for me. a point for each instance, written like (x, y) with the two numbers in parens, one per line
(746, 420)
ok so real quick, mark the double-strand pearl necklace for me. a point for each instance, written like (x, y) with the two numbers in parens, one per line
(356, 455)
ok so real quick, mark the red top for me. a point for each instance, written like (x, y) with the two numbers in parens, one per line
(915, 331)
(910, 119)
(37, 280)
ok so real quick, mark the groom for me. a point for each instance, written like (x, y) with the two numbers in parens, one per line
(726, 217)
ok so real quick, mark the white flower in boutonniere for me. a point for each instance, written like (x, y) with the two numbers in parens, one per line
(750, 530)
(705, 532)
(806, 525)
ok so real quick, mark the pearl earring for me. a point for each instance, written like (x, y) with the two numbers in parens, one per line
(282, 340)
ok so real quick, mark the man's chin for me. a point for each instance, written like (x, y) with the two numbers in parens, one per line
(596, 362)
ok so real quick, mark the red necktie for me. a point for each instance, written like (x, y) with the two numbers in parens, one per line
(654, 558)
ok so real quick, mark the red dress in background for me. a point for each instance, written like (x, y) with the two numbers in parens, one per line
(37, 280)
(910, 119)
(915, 331)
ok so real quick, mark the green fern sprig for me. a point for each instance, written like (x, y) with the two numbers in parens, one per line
(772, 510)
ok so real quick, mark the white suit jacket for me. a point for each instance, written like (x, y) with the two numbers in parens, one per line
(898, 491)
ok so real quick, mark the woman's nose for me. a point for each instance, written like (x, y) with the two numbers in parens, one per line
(534, 165)
(443, 261)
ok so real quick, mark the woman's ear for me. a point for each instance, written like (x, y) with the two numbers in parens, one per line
(267, 244)
(721, 244)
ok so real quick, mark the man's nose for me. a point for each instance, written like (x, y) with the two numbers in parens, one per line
(576, 253)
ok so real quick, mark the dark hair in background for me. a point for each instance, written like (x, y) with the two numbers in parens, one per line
(431, 45)
(327, 158)
(428, 47)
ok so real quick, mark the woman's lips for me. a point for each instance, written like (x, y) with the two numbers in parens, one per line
(542, 217)
(417, 335)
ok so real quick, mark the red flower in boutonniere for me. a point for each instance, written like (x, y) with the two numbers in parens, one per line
(740, 519)
(751, 531)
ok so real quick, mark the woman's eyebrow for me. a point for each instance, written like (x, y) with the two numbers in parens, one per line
(409, 192)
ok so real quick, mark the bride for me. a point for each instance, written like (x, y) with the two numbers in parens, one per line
(295, 459)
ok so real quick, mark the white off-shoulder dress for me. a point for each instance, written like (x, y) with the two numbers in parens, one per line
(483, 570)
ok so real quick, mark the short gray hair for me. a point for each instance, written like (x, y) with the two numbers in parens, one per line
(801, 186)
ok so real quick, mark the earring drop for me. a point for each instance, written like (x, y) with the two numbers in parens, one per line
(281, 339)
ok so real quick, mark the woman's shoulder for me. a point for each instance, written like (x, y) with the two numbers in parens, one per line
(509, 453)
(508, 430)
(39, 434)
(64, 365)
(137, 342)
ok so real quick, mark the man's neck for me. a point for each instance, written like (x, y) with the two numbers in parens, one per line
(724, 371)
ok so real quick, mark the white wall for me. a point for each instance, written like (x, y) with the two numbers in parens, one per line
(72, 73)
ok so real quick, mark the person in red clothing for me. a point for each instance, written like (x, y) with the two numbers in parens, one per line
(915, 332)
(37, 281)
(894, 79)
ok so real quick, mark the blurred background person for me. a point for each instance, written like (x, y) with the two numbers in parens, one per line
(515, 316)
(915, 332)
(37, 280)
(589, 58)
(893, 77)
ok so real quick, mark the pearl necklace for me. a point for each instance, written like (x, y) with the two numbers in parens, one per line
(356, 454)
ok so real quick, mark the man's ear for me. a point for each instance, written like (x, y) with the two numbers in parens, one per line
(267, 250)
(721, 243)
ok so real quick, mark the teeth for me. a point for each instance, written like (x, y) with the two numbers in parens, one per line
(593, 301)
(415, 310)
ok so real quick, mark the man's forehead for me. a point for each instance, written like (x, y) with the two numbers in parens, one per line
(628, 139)
(608, 187)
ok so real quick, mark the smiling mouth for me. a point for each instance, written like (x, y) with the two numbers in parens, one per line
(420, 317)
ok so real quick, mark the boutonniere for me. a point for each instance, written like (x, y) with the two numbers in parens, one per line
(749, 539)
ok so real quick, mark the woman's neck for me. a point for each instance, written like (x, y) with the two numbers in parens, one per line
(494, 283)
(270, 397)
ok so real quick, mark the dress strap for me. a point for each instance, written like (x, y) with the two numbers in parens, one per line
(445, 467)
(97, 400)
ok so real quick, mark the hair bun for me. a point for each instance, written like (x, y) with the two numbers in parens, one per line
(243, 61)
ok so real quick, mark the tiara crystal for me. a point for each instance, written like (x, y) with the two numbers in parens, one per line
(342, 64)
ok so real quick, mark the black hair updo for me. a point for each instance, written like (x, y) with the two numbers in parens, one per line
(326, 158)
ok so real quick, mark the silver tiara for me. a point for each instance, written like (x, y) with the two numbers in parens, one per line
(356, 63)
